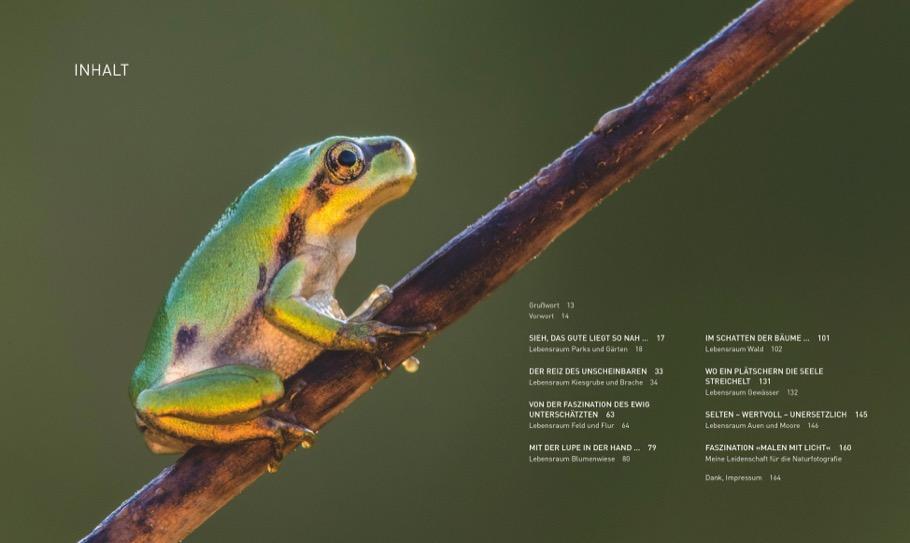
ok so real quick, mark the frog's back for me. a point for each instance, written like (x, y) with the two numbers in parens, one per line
(223, 281)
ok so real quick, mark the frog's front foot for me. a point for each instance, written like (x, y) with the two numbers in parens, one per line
(364, 336)
(287, 433)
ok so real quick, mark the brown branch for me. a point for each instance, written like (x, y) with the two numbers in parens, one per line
(486, 254)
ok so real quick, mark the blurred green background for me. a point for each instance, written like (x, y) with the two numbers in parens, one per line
(787, 211)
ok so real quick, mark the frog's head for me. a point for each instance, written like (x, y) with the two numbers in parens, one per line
(353, 178)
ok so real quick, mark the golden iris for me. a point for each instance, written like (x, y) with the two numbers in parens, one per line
(344, 161)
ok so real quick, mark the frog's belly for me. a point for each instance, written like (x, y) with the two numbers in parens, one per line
(258, 342)
(253, 341)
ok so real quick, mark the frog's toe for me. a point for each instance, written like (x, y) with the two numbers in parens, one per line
(287, 434)
(277, 457)
(383, 293)
(381, 366)
(375, 302)
(427, 329)
(423, 330)
(395, 330)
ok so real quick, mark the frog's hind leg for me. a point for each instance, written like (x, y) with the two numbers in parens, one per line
(222, 394)
(220, 406)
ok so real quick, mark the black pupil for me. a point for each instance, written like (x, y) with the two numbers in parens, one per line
(347, 158)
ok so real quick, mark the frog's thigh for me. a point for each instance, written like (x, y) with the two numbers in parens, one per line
(221, 395)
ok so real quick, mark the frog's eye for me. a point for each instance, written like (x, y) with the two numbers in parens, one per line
(345, 162)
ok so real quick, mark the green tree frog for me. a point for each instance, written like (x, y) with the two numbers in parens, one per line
(254, 303)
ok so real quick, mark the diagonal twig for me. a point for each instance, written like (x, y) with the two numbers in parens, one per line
(449, 283)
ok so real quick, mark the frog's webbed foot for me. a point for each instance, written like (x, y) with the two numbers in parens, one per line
(286, 434)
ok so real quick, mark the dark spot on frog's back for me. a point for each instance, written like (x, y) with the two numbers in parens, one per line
(263, 272)
(288, 245)
(241, 336)
(186, 338)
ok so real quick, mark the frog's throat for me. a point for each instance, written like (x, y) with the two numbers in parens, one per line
(329, 234)
(347, 211)
(340, 241)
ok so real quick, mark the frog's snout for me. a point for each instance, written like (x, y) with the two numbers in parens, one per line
(405, 156)
(391, 156)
